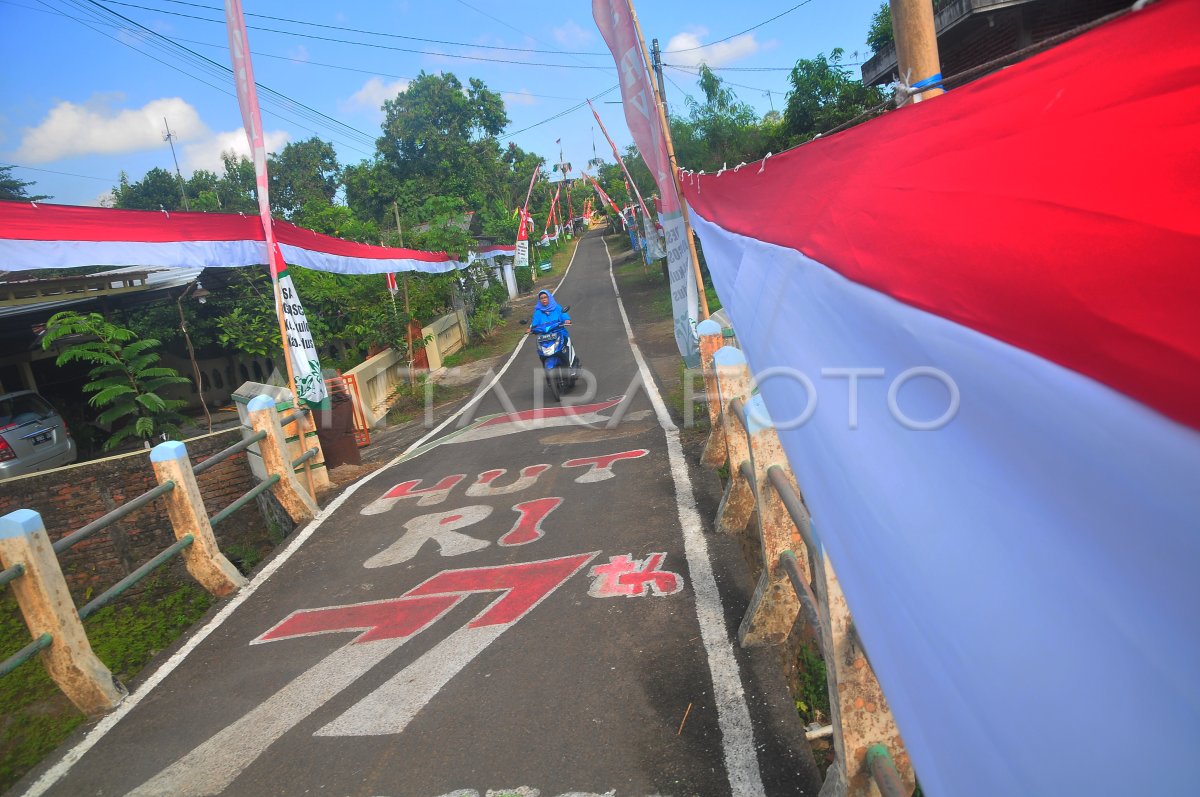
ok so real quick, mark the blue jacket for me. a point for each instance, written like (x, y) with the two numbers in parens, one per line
(550, 315)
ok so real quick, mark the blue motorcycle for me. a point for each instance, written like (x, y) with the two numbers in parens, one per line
(558, 356)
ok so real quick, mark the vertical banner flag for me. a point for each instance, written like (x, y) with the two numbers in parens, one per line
(641, 114)
(654, 248)
(391, 283)
(302, 352)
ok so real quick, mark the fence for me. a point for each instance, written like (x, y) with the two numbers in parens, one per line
(797, 576)
(32, 568)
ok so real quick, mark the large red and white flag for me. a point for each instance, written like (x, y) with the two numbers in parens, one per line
(977, 321)
(615, 22)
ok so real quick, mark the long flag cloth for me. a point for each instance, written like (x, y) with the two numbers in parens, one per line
(62, 236)
(1024, 578)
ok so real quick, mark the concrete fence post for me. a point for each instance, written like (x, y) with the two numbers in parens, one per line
(774, 605)
(48, 608)
(301, 436)
(861, 716)
(185, 507)
(295, 500)
(711, 339)
(733, 382)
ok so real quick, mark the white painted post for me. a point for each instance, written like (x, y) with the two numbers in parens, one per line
(774, 605)
(861, 716)
(295, 500)
(733, 381)
(711, 339)
(185, 507)
(48, 608)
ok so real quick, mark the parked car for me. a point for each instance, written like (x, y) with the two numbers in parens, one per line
(33, 436)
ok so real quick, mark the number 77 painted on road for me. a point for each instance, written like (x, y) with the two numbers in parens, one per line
(383, 626)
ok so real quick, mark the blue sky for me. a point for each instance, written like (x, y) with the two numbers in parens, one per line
(82, 103)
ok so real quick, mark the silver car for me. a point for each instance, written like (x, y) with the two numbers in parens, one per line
(33, 436)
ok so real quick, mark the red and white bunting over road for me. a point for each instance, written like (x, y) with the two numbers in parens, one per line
(61, 236)
(1006, 279)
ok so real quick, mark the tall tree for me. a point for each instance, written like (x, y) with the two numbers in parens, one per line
(15, 188)
(303, 172)
(824, 95)
(718, 130)
(158, 189)
(441, 135)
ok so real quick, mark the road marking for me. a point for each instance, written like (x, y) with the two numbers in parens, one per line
(625, 577)
(528, 527)
(483, 483)
(733, 716)
(72, 756)
(385, 625)
(392, 706)
(428, 496)
(441, 527)
(601, 466)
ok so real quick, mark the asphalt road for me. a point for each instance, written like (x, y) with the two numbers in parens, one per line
(554, 627)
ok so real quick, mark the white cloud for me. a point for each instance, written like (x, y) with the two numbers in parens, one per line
(714, 54)
(570, 34)
(522, 97)
(299, 52)
(98, 128)
(206, 153)
(371, 96)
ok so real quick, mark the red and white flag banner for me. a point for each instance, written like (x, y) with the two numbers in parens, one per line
(65, 236)
(615, 21)
(994, 296)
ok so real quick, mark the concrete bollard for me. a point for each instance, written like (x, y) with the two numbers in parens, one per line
(48, 608)
(774, 605)
(185, 507)
(301, 436)
(733, 382)
(295, 500)
(861, 716)
(710, 340)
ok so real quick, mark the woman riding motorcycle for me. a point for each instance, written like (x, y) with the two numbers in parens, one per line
(547, 313)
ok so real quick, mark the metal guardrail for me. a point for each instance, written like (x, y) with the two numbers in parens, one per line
(127, 508)
(757, 467)
(245, 498)
(106, 597)
(25, 654)
(226, 453)
(18, 570)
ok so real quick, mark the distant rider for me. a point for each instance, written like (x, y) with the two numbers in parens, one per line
(547, 313)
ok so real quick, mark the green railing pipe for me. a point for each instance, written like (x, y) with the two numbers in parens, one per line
(12, 573)
(124, 509)
(102, 600)
(226, 453)
(25, 654)
(249, 496)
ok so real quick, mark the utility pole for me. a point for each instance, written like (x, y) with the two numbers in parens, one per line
(916, 46)
(662, 89)
(169, 137)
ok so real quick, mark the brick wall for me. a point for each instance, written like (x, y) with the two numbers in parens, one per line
(71, 497)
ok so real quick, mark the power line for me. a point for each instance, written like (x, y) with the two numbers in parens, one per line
(572, 109)
(747, 30)
(360, 30)
(308, 61)
(225, 71)
(65, 174)
(374, 45)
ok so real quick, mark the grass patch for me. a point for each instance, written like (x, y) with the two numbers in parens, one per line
(35, 717)
(812, 693)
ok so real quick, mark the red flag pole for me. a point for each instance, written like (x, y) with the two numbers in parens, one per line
(666, 129)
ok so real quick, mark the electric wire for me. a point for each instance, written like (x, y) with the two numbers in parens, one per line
(743, 33)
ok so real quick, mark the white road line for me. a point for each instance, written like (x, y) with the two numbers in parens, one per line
(733, 715)
(64, 765)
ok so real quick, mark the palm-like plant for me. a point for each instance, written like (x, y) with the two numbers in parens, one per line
(125, 376)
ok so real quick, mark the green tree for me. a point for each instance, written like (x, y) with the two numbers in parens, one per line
(15, 188)
(879, 35)
(303, 172)
(824, 95)
(125, 377)
(718, 131)
(157, 190)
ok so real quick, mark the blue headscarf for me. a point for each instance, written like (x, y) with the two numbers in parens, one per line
(551, 314)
